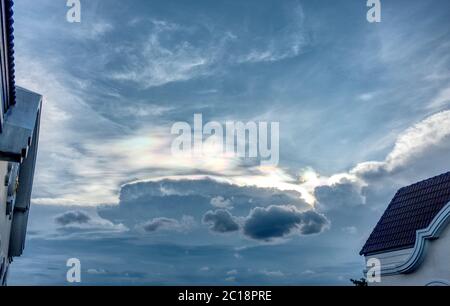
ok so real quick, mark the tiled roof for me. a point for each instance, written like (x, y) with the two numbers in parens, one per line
(413, 208)
(10, 45)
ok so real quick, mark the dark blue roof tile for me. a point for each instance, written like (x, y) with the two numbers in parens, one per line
(413, 208)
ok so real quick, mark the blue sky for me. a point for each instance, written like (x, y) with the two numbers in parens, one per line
(363, 110)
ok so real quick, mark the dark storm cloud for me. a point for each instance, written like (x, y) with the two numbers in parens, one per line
(73, 217)
(221, 221)
(274, 222)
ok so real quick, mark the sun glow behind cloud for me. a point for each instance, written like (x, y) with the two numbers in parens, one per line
(86, 156)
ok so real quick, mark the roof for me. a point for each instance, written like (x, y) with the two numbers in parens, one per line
(20, 126)
(413, 208)
(10, 39)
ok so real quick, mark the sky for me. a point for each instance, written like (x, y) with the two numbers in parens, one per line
(364, 109)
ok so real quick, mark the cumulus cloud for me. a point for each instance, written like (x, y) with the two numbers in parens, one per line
(258, 213)
(82, 221)
(343, 193)
(168, 224)
(160, 223)
(215, 189)
(418, 153)
(221, 202)
(73, 217)
(221, 221)
(276, 222)
(431, 133)
(174, 198)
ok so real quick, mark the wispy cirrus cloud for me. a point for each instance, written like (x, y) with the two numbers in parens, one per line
(287, 42)
(161, 59)
(155, 64)
(441, 100)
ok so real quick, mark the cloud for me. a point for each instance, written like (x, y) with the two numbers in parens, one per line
(339, 195)
(73, 217)
(233, 272)
(172, 52)
(418, 153)
(71, 146)
(413, 144)
(188, 195)
(85, 135)
(442, 99)
(89, 31)
(230, 279)
(168, 224)
(287, 42)
(351, 230)
(99, 29)
(276, 222)
(308, 272)
(365, 97)
(160, 223)
(221, 221)
(272, 273)
(78, 221)
(97, 271)
(363, 193)
(221, 202)
(156, 63)
(85, 158)
(313, 223)
(65, 150)
(258, 213)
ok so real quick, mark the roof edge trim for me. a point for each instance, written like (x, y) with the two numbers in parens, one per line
(423, 236)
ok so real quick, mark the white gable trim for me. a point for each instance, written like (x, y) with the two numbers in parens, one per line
(438, 282)
(432, 232)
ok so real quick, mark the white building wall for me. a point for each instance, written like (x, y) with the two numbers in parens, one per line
(434, 270)
(5, 223)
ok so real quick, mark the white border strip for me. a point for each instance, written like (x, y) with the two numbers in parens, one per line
(433, 231)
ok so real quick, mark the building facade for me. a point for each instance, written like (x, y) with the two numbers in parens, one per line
(411, 242)
(20, 112)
